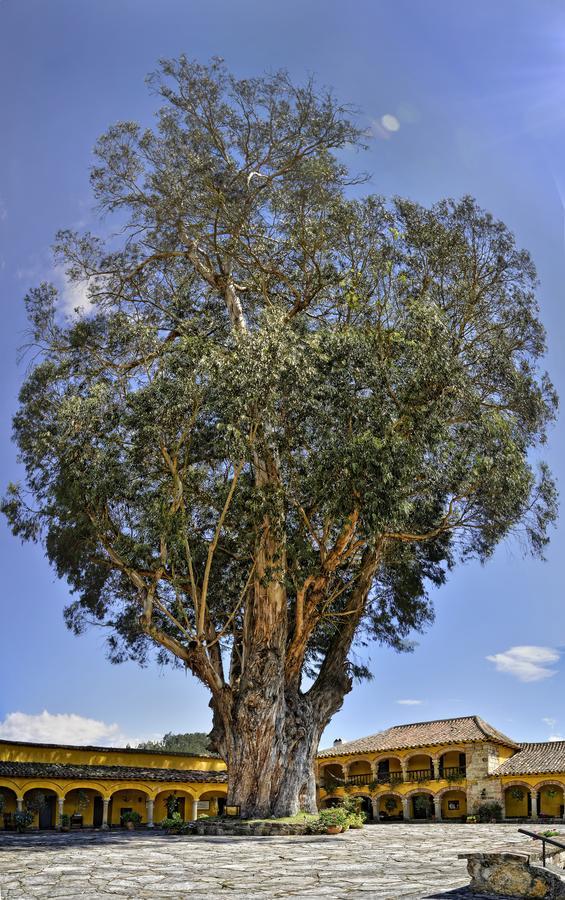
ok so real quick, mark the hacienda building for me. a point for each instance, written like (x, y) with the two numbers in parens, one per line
(97, 786)
(444, 770)
(440, 770)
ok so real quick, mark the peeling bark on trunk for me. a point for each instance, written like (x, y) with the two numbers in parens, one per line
(270, 752)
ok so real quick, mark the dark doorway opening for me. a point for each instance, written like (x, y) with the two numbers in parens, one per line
(98, 812)
(47, 813)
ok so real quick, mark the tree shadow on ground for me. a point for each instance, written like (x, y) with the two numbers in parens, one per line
(464, 893)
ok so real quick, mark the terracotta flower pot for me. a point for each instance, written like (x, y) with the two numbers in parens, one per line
(130, 826)
(333, 829)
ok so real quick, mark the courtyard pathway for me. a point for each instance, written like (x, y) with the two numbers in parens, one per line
(385, 862)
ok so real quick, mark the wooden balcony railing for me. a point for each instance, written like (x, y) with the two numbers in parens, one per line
(389, 778)
(360, 779)
(452, 772)
(420, 775)
(449, 773)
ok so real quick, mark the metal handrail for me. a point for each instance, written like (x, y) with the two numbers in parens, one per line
(545, 840)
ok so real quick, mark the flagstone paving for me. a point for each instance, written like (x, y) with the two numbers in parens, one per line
(384, 862)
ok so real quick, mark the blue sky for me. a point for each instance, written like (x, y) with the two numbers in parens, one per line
(476, 93)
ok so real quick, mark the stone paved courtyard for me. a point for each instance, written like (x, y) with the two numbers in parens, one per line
(382, 861)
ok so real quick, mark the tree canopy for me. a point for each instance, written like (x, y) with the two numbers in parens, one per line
(195, 742)
(288, 410)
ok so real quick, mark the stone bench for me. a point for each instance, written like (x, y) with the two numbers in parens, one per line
(513, 872)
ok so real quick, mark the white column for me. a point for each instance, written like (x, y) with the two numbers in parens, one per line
(534, 798)
(194, 813)
(19, 804)
(105, 803)
(375, 805)
(60, 806)
(406, 808)
(437, 808)
(150, 806)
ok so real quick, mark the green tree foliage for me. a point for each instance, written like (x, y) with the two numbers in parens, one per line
(286, 413)
(196, 742)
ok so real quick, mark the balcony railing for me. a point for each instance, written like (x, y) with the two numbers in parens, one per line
(450, 773)
(360, 779)
(420, 775)
(389, 778)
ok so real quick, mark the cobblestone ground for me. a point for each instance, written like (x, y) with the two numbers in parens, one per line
(385, 862)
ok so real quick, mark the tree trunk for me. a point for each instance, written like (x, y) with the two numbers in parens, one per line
(270, 750)
(270, 758)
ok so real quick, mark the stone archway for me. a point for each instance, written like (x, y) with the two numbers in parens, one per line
(84, 806)
(452, 804)
(128, 799)
(390, 807)
(420, 804)
(182, 799)
(517, 800)
(551, 799)
(42, 802)
(211, 803)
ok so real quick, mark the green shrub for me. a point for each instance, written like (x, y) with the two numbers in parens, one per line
(173, 823)
(487, 812)
(132, 816)
(336, 816)
(23, 819)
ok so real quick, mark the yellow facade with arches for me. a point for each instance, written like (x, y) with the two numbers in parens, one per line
(445, 770)
(96, 786)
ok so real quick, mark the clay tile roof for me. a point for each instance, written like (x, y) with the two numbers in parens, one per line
(465, 729)
(118, 773)
(535, 759)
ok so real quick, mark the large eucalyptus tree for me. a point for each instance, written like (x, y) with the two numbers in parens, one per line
(285, 413)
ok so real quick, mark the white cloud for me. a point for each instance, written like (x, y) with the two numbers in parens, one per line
(62, 728)
(526, 663)
(409, 702)
(556, 737)
(550, 722)
(72, 295)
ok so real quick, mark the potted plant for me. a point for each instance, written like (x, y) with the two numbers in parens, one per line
(390, 804)
(172, 804)
(471, 820)
(334, 820)
(65, 822)
(22, 820)
(173, 824)
(131, 819)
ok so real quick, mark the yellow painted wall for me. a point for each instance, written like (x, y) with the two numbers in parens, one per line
(451, 759)
(550, 806)
(390, 812)
(515, 807)
(72, 806)
(447, 813)
(130, 799)
(13, 752)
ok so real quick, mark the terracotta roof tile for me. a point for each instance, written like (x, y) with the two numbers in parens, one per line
(117, 773)
(465, 729)
(535, 759)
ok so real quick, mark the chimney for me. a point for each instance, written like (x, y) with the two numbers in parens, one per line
(337, 742)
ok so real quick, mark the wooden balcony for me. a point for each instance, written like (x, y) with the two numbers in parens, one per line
(420, 775)
(449, 773)
(453, 772)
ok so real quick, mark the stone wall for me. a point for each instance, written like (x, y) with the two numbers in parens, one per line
(482, 759)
